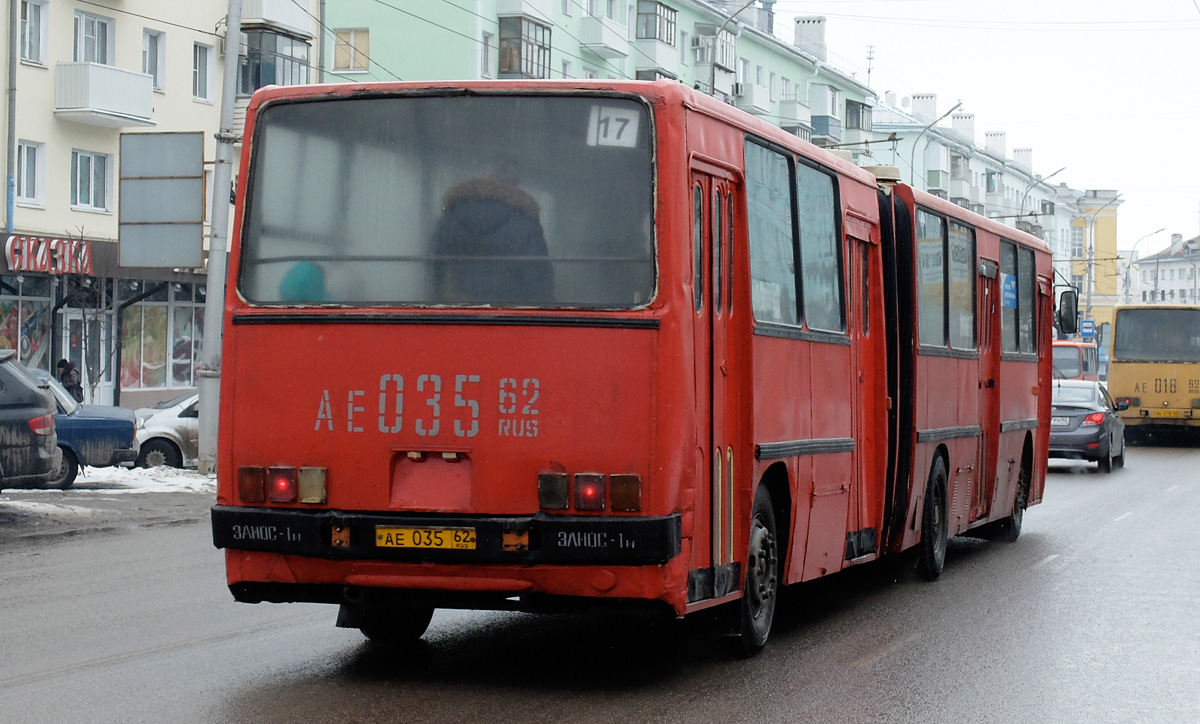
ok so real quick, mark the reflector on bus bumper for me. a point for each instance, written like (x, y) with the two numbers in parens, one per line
(551, 538)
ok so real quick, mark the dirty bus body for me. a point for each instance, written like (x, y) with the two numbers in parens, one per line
(1155, 366)
(552, 345)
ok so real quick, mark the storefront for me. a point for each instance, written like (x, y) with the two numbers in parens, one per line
(134, 334)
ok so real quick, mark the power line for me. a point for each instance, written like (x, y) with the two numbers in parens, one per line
(326, 29)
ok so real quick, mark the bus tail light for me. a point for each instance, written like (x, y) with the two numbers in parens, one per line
(282, 485)
(553, 491)
(42, 425)
(589, 491)
(625, 492)
(1131, 401)
(252, 484)
(1096, 418)
(312, 485)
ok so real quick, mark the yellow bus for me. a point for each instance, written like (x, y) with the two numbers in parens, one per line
(1155, 365)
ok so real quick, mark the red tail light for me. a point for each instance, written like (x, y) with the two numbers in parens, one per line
(283, 485)
(1096, 418)
(589, 491)
(252, 483)
(42, 425)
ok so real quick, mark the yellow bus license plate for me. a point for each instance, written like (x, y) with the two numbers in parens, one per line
(1166, 413)
(450, 539)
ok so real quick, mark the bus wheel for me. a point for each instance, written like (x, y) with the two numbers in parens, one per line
(1010, 527)
(934, 536)
(762, 577)
(391, 625)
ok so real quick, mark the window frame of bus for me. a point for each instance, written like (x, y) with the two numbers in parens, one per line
(1026, 304)
(653, 151)
(949, 345)
(801, 328)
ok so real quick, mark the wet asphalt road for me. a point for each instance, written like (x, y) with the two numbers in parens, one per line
(1089, 617)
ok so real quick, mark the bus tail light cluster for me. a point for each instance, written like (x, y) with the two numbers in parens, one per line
(619, 492)
(1096, 418)
(1131, 401)
(281, 484)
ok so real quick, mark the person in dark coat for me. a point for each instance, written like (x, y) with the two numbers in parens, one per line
(68, 375)
(491, 238)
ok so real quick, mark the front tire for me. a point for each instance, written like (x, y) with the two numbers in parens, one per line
(67, 470)
(1120, 459)
(158, 452)
(761, 584)
(934, 529)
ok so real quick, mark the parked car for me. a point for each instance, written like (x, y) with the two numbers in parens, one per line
(143, 412)
(171, 436)
(29, 454)
(1084, 424)
(96, 435)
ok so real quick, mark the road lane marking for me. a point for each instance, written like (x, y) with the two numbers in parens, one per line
(1122, 517)
(1043, 562)
(1173, 487)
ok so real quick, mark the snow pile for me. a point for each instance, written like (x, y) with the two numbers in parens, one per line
(145, 480)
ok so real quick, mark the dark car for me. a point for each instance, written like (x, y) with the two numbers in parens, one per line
(96, 435)
(29, 455)
(1084, 424)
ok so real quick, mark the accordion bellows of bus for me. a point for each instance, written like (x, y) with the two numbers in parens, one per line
(558, 345)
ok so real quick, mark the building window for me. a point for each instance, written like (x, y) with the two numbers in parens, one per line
(90, 180)
(858, 115)
(566, 6)
(835, 101)
(93, 38)
(1076, 242)
(202, 71)
(31, 158)
(33, 31)
(524, 48)
(1077, 282)
(352, 50)
(272, 59)
(656, 21)
(161, 335)
(683, 47)
(152, 56)
(726, 47)
(993, 182)
(488, 41)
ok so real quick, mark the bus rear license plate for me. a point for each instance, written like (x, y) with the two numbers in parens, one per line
(1166, 413)
(449, 539)
(1059, 422)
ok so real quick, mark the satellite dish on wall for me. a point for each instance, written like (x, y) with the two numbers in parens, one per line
(906, 101)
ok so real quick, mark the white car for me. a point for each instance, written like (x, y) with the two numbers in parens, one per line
(169, 434)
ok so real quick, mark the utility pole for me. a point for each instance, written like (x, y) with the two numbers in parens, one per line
(14, 52)
(210, 366)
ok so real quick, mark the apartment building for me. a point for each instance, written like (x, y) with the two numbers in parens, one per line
(1169, 276)
(86, 73)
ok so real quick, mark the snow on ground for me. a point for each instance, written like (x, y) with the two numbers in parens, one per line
(141, 480)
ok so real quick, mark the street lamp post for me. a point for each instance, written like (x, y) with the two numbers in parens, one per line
(712, 51)
(913, 154)
(1132, 251)
(1035, 182)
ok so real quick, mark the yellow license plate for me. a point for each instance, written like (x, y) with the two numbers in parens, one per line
(1166, 413)
(450, 539)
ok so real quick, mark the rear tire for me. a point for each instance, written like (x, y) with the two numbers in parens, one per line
(67, 470)
(934, 530)
(761, 584)
(1106, 462)
(394, 626)
(1010, 528)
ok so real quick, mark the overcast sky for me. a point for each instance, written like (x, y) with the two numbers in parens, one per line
(1110, 89)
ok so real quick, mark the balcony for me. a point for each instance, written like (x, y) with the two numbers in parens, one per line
(657, 55)
(751, 97)
(278, 13)
(794, 112)
(603, 37)
(936, 180)
(826, 129)
(960, 188)
(103, 95)
(539, 10)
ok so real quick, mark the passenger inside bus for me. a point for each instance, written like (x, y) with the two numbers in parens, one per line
(490, 242)
(304, 282)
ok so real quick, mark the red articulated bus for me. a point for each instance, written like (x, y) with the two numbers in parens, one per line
(547, 345)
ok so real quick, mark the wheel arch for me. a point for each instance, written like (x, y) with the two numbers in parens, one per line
(777, 482)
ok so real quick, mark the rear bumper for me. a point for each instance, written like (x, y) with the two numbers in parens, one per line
(338, 535)
(1074, 444)
(41, 470)
(126, 455)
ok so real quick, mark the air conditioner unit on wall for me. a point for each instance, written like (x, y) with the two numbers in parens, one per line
(701, 41)
(738, 89)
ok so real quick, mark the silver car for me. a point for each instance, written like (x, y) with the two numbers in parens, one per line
(170, 434)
